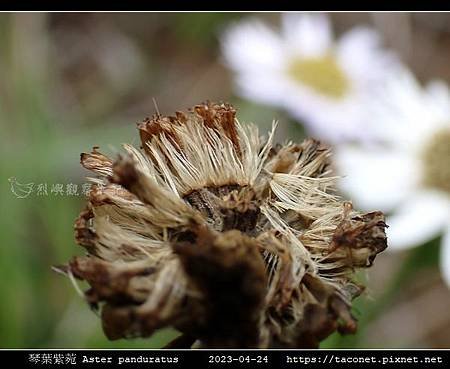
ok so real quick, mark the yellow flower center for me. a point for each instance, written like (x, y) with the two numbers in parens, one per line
(436, 162)
(322, 74)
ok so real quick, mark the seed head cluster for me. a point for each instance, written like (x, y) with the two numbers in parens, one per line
(211, 229)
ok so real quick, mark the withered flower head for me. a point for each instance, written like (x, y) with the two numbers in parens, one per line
(230, 239)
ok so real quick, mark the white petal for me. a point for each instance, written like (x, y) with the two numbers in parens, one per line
(418, 220)
(445, 256)
(439, 93)
(405, 114)
(252, 46)
(375, 178)
(329, 119)
(265, 88)
(360, 54)
(307, 34)
(438, 100)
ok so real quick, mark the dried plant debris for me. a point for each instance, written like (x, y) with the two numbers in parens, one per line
(211, 229)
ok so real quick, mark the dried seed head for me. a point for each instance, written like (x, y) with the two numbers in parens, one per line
(232, 240)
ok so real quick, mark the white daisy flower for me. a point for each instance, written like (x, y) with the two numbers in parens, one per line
(323, 82)
(408, 172)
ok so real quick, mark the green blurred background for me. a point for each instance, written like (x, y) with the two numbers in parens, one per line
(72, 81)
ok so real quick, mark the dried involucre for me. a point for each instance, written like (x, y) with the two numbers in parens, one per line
(234, 241)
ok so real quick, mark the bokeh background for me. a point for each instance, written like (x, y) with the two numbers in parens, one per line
(72, 81)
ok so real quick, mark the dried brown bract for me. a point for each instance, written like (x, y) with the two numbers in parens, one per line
(232, 240)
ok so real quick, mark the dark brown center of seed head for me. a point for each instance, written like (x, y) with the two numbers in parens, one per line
(227, 207)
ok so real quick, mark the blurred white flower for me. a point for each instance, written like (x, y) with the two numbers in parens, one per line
(323, 82)
(408, 172)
